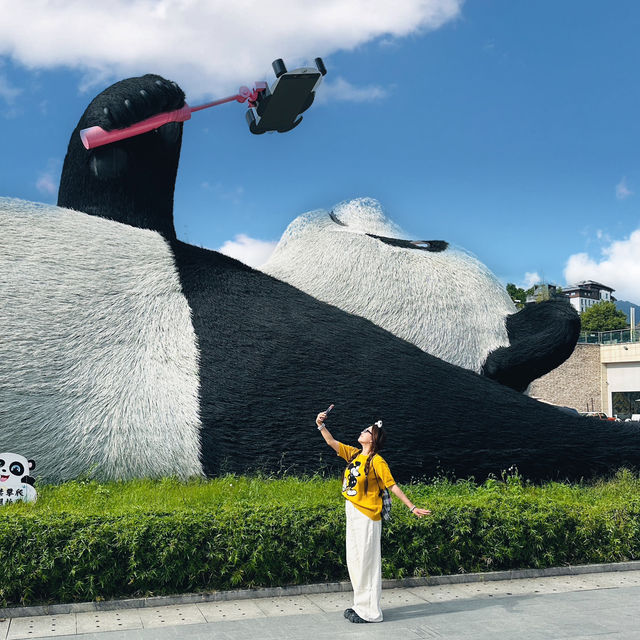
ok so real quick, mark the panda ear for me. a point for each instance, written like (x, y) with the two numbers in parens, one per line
(32, 464)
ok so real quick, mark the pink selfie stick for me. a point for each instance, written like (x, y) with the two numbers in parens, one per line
(329, 409)
(96, 136)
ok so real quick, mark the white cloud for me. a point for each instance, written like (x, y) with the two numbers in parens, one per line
(619, 267)
(48, 180)
(248, 250)
(622, 190)
(531, 278)
(603, 236)
(207, 46)
(46, 184)
(343, 90)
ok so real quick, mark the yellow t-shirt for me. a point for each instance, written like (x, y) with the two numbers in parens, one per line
(353, 484)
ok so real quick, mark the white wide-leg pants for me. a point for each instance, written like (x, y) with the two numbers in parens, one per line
(364, 563)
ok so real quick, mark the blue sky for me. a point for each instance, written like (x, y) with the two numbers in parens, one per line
(509, 128)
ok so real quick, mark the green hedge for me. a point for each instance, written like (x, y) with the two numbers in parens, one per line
(88, 541)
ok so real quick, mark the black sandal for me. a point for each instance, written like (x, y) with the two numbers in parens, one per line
(352, 616)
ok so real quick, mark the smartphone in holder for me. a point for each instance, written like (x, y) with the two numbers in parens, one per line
(280, 108)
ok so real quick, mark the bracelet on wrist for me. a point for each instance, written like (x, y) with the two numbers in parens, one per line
(320, 427)
(412, 509)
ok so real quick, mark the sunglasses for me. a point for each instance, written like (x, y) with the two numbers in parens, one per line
(367, 430)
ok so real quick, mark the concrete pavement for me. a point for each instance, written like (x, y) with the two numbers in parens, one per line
(598, 606)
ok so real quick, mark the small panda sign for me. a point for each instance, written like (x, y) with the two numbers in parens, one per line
(15, 481)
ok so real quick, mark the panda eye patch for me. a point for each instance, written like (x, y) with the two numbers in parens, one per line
(1, 463)
(430, 245)
(16, 468)
(435, 246)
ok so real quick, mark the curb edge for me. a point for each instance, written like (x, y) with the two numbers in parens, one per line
(327, 587)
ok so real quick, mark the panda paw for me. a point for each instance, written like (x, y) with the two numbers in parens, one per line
(123, 104)
(541, 337)
(133, 100)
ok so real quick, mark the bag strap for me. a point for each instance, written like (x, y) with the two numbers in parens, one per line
(374, 471)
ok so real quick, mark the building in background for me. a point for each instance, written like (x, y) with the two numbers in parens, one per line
(603, 373)
(586, 294)
(542, 291)
(597, 377)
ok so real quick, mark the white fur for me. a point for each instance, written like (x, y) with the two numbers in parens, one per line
(98, 356)
(448, 304)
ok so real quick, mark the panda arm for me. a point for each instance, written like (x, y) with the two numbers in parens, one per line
(541, 337)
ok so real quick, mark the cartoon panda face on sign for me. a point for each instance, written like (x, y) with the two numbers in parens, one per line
(15, 481)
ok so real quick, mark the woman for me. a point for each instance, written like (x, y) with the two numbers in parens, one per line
(365, 476)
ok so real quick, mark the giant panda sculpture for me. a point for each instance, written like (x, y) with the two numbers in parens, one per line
(126, 352)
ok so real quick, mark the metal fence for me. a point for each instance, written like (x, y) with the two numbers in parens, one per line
(610, 337)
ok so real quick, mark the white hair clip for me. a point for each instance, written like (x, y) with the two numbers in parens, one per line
(378, 424)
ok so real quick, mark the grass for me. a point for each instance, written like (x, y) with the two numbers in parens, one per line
(169, 495)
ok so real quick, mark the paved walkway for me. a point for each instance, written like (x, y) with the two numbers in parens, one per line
(598, 606)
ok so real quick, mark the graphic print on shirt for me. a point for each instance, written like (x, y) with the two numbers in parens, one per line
(351, 480)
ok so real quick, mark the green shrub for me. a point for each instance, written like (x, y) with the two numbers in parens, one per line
(88, 541)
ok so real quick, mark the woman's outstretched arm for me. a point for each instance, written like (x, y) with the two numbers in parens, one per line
(328, 438)
(399, 493)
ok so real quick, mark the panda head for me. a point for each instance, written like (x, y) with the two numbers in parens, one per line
(13, 468)
(428, 292)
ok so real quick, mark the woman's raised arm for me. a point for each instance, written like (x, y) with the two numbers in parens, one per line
(328, 438)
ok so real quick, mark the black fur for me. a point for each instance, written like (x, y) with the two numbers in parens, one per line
(541, 336)
(131, 181)
(435, 246)
(271, 357)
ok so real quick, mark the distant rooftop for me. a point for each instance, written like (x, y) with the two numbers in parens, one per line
(589, 284)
